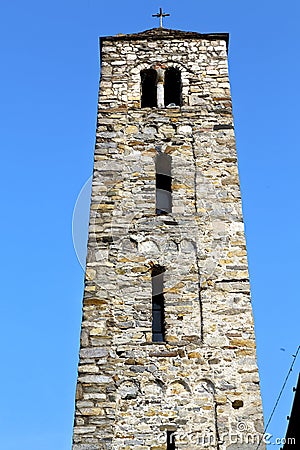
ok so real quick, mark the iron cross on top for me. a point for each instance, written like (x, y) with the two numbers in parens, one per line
(160, 15)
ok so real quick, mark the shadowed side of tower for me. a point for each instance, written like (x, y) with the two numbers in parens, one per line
(167, 356)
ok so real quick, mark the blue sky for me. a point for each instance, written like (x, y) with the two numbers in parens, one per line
(49, 83)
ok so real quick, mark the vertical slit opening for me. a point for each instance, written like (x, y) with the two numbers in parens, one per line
(158, 305)
(170, 440)
(163, 184)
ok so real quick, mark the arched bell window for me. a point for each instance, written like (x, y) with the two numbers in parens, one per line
(172, 87)
(149, 88)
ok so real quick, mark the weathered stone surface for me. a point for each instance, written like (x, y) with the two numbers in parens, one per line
(93, 352)
(203, 379)
(94, 379)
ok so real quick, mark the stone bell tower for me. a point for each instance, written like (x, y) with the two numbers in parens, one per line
(167, 356)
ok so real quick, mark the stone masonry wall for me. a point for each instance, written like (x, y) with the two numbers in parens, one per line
(202, 383)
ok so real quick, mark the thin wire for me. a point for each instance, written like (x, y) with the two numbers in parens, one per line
(280, 393)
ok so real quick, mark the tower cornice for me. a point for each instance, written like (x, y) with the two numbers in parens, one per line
(166, 33)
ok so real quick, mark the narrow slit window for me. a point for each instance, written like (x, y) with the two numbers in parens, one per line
(149, 88)
(158, 305)
(163, 184)
(172, 87)
(171, 440)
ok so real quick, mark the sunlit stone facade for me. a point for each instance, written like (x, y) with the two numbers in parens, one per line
(199, 384)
